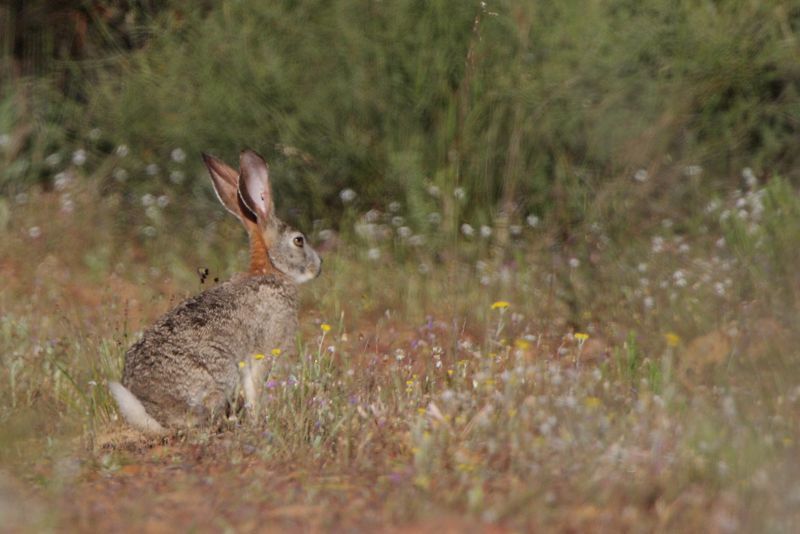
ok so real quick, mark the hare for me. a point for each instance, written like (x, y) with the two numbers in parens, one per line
(194, 361)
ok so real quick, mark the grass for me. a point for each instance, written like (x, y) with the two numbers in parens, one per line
(451, 389)
(559, 297)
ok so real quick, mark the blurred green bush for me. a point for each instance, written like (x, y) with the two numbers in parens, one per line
(529, 107)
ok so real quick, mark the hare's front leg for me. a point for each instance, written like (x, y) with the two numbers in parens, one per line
(252, 377)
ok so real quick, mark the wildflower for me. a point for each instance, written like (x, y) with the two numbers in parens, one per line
(4, 139)
(500, 305)
(53, 159)
(277, 352)
(592, 402)
(672, 339)
(532, 220)
(176, 177)
(151, 169)
(522, 344)
(347, 195)
(641, 176)
(79, 157)
(122, 151)
(94, 134)
(325, 327)
(459, 193)
(581, 337)
(574, 263)
(374, 254)
(421, 411)
(257, 357)
(241, 365)
(449, 372)
(486, 231)
(178, 155)
(120, 175)
(467, 230)
(34, 231)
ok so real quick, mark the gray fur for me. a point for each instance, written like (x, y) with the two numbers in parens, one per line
(197, 359)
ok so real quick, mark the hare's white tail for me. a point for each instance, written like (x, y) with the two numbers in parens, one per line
(133, 411)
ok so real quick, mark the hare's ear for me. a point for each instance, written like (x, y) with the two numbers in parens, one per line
(226, 186)
(254, 187)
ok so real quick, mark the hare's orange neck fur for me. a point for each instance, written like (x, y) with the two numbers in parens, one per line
(260, 263)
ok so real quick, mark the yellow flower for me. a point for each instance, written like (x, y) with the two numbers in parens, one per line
(449, 372)
(256, 357)
(673, 339)
(325, 327)
(421, 411)
(592, 402)
(501, 305)
(522, 344)
(276, 352)
(581, 337)
(241, 365)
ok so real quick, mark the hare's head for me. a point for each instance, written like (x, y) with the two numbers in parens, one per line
(274, 245)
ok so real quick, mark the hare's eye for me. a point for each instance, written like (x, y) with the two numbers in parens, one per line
(298, 241)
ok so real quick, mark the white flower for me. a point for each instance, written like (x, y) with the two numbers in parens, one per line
(404, 232)
(416, 240)
(434, 218)
(398, 221)
(5, 139)
(122, 151)
(34, 232)
(120, 175)
(326, 234)
(162, 201)
(148, 199)
(178, 155)
(515, 229)
(532, 220)
(692, 170)
(434, 191)
(347, 195)
(374, 254)
(394, 206)
(657, 244)
(61, 181)
(151, 169)
(79, 157)
(719, 289)
(574, 263)
(486, 231)
(467, 230)
(642, 267)
(176, 177)
(459, 193)
(649, 302)
(53, 159)
(641, 175)
(749, 178)
(94, 134)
